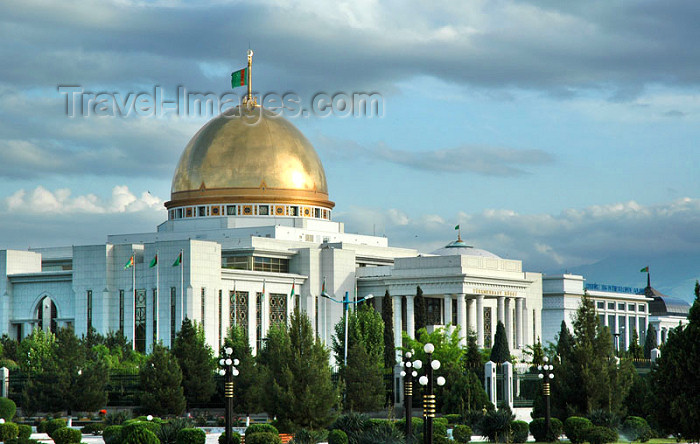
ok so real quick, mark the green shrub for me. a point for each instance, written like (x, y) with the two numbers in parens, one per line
(601, 435)
(8, 408)
(8, 430)
(353, 424)
(519, 431)
(53, 425)
(496, 425)
(140, 435)
(539, 432)
(473, 418)
(236, 438)
(260, 428)
(576, 428)
(262, 438)
(416, 425)
(95, 428)
(462, 433)
(116, 418)
(112, 434)
(41, 426)
(191, 436)
(169, 430)
(383, 434)
(337, 436)
(130, 426)
(603, 418)
(25, 431)
(453, 418)
(636, 429)
(66, 435)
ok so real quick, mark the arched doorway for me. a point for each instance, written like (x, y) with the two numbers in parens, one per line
(45, 315)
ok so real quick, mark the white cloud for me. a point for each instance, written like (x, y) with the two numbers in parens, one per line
(60, 201)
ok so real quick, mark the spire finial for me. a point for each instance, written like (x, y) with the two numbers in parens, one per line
(249, 98)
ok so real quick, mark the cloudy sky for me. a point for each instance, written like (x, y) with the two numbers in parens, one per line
(563, 134)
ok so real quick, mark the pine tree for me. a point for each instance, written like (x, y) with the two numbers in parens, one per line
(244, 400)
(473, 358)
(196, 360)
(161, 384)
(500, 352)
(650, 342)
(388, 318)
(676, 380)
(635, 350)
(364, 383)
(419, 310)
(564, 341)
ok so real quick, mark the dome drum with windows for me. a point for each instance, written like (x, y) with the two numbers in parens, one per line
(249, 162)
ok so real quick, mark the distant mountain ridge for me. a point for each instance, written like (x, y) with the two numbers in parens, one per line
(673, 275)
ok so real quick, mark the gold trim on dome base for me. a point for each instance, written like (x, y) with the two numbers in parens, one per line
(205, 196)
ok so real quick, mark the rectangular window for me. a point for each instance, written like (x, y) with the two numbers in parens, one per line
(630, 307)
(155, 315)
(201, 211)
(230, 210)
(433, 311)
(293, 211)
(271, 264)
(642, 308)
(201, 303)
(173, 306)
(221, 322)
(611, 306)
(487, 327)
(601, 319)
(621, 307)
(89, 310)
(258, 321)
(454, 313)
(179, 213)
(623, 334)
(278, 308)
(140, 321)
(611, 324)
(238, 314)
(633, 327)
(121, 311)
(642, 330)
(263, 210)
(317, 213)
(600, 305)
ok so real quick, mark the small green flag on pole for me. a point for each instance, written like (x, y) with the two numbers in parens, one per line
(129, 263)
(292, 295)
(178, 260)
(154, 262)
(239, 78)
(456, 227)
(644, 270)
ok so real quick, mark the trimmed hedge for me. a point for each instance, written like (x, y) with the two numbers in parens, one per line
(66, 435)
(337, 436)
(141, 435)
(601, 435)
(576, 428)
(539, 430)
(8, 430)
(8, 408)
(112, 434)
(95, 428)
(191, 436)
(260, 428)
(235, 437)
(519, 431)
(51, 426)
(462, 433)
(262, 438)
(130, 426)
(25, 431)
(636, 429)
(453, 418)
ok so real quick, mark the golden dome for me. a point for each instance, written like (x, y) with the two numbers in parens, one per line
(251, 156)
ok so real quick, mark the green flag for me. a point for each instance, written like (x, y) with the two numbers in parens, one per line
(644, 270)
(178, 260)
(153, 262)
(456, 227)
(239, 78)
(129, 263)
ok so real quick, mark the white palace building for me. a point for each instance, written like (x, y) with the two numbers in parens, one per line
(250, 236)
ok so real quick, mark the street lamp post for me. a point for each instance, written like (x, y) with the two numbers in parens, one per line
(546, 374)
(408, 374)
(346, 301)
(228, 369)
(429, 397)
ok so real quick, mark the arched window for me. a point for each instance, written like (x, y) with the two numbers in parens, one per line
(46, 314)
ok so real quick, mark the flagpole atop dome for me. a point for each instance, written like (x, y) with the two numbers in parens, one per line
(249, 97)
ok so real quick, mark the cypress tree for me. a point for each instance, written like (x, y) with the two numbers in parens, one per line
(472, 358)
(500, 352)
(419, 311)
(161, 380)
(650, 342)
(635, 350)
(388, 318)
(364, 383)
(244, 399)
(564, 341)
(196, 360)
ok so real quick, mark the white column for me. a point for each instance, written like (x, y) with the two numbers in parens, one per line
(448, 309)
(509, 324)
(471, 314)
(480, 320)
(311, 312)
(4, 382)
(462, 318)
(501, 309)
(252, 319)
(658, 334)
(410, 317)
(519, 322)
(526, 320)
(397, 325)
